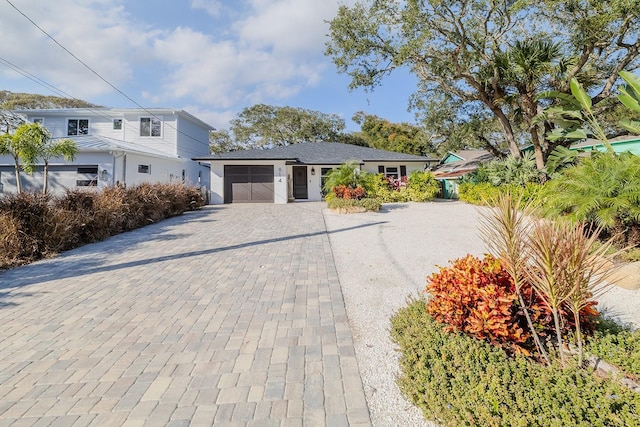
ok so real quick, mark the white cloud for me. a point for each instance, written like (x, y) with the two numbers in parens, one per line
(288, 27)
(266, 51)
(96, 32)
(212, 7)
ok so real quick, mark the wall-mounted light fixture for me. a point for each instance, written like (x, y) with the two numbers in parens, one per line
(313, 171)
(103, 175)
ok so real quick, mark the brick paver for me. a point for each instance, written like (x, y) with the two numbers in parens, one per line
(232, 315)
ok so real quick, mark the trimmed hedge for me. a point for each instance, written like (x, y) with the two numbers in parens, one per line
(458, 380)
(367, 204)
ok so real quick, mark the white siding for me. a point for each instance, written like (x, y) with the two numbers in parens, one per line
(165, 143)
(193, 140)
(372, 167)
(62, 176)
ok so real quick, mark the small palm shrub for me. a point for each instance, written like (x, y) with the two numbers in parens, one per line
(512, 170)
(348, 175)
(603, 190)
(457, 380)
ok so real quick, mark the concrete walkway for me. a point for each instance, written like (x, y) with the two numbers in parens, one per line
(229, 316)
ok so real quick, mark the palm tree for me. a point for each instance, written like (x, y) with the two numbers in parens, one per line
(32, 142)
(527, 67)
(9, 146)
(65, 148)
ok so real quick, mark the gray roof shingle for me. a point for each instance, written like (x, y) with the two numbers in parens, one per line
(320, 153)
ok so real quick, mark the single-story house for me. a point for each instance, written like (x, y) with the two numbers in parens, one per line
(297, 171)
(455, 165)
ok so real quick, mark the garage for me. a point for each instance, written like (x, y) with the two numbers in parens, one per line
(248, 184)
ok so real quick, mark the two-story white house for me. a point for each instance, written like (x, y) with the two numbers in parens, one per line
(118, 146)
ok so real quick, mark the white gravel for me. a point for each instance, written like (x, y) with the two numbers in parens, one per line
(382, 260)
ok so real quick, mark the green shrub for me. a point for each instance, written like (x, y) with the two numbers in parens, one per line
(419, 186)
(484, 193)
(368, 204)
(513, 171)
(422, 186)
(458, 380)
(618, 346)
(603, 190)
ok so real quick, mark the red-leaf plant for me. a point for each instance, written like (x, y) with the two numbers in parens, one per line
(478, 297)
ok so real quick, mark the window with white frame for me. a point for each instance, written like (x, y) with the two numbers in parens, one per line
(150, 126)
(78, 127)
(144, 168)
(117, 124)
(393, 171)
(38, 120)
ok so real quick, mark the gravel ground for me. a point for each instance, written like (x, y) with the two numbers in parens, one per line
(383, 259)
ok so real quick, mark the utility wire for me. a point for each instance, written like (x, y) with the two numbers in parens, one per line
(98, 111)
(95, 72)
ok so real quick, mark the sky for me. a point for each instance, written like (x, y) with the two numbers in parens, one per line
(212, 58)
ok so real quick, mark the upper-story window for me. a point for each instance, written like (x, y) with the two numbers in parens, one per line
(117, 124)
(38, 120)
(150, 126)
(78, 127)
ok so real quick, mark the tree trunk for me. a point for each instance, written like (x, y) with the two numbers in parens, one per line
(535, 139)
(45, 187)
(508, 131)
(18, 183)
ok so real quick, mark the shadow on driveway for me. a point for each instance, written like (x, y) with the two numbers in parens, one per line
(64, 268)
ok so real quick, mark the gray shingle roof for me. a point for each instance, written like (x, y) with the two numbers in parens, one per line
(320, 153)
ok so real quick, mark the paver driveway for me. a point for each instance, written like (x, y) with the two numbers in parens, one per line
(232, 315)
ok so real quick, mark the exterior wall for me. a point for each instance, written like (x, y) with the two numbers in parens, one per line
(62, 176)
(120, 168)
(192, 139)
(280, 179)
(165, 143)
(372, 167)
(181, 136)
(451, 158)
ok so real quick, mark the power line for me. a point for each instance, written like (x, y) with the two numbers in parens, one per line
(95, 72)
(58, 91)
(74, 56)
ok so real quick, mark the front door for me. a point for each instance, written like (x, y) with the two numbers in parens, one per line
(300, 182)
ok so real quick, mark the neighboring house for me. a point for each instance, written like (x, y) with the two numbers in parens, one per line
(454, 166)
(619, 144)
(118, 146)
(297, 171)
